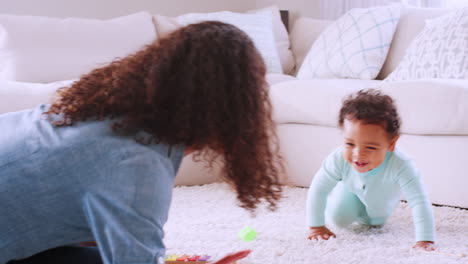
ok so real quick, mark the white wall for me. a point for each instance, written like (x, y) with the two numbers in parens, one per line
(111, 8)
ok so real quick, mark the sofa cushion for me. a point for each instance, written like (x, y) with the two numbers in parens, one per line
(314, 101)
(45, 49)
(274, 78)
(411, 22)
(431, 106)
(16, 96)
(354, 46)
(440, 50)
(426, 106)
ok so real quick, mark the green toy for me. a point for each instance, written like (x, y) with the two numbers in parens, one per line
(247, 234)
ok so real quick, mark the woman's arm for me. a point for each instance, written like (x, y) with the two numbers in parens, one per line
(127, 209)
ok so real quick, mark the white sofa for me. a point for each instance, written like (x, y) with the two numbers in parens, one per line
(435, 119)
(434, 114)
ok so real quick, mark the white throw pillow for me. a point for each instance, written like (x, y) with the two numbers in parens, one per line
(44, 49)
(440, 50)
(258, 26)
(354, 46)
(283, 45)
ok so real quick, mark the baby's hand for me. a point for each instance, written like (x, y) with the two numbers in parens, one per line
(320, 232)
(426, 245)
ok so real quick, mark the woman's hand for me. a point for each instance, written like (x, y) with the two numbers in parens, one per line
(232, 258)
(426, 245)
(320, 232)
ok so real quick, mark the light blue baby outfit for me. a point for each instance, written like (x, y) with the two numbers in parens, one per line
(370, 197)
(80, 183)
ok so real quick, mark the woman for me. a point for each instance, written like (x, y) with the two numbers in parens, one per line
(99, 162)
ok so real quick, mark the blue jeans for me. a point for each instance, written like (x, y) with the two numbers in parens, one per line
(64, 255)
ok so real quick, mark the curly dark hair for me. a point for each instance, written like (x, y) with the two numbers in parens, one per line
(372, 107)
(202, 86)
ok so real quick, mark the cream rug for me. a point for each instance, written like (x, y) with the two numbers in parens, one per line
(206, 220)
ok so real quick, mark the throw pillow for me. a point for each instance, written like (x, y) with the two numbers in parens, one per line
(283, 45)
(440, 50)
(45, 49)
(354, 46)
(258, 26)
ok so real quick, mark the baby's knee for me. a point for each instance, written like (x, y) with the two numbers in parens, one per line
(339, 219)
(342, 223)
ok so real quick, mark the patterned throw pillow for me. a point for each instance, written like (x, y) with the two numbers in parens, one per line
(354, 46)
(258, 26)
(440, 50)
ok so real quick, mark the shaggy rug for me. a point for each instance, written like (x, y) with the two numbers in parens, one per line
(206, 220)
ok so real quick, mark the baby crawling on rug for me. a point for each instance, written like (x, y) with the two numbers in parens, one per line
(365, 176)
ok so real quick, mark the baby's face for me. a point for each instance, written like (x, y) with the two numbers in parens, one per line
(365, 145)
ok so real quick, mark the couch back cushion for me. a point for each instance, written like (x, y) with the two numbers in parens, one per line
(411, 22)
(303, 34)
(305, 31)
(45, 49)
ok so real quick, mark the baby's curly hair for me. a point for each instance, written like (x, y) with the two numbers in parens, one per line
(202, 86)
(372, 107)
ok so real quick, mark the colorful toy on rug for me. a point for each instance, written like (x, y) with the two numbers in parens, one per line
(182, 259)
(247, 234)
